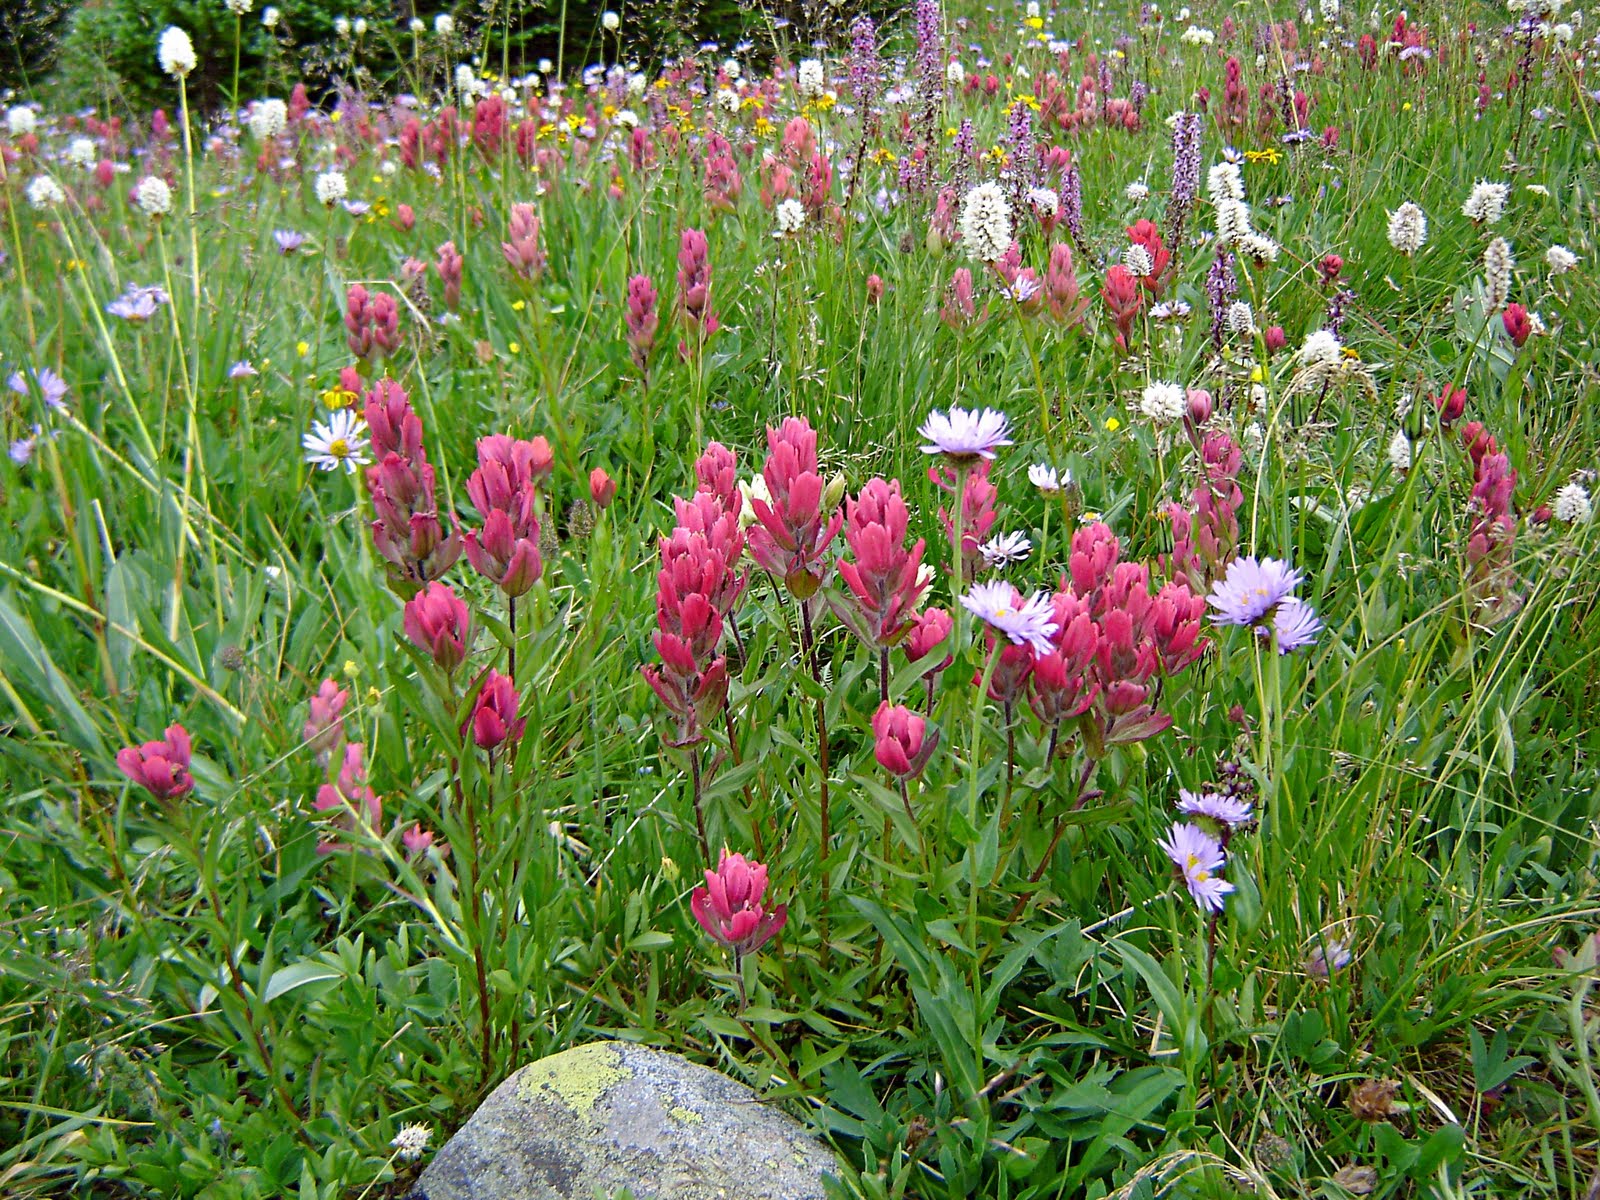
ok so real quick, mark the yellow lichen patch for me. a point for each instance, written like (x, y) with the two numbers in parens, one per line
(576, 1077)
(687, 1115)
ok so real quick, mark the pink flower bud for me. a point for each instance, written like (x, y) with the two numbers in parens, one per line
(494, 714)
(161, 768)
(729, 907)
(602, 488)
(905, 741)
(437, 620)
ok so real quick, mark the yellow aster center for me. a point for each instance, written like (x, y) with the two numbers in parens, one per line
(338, 448)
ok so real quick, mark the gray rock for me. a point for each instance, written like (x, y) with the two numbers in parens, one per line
(609, 1115)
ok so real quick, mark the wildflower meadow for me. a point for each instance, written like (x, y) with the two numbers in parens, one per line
(1018, 578)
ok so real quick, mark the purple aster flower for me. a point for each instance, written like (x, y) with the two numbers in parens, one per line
(21, 451)
(357, 208)
(242, 370)
(1251, 589)
(1328, 956)
(288, 240)
(1198, 857)
(965, 435)
(1296, 623)
(1025, 622)
(52, 387)
(1231, 811)
(137, 303)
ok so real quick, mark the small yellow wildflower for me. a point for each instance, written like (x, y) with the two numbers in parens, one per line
(518, 305)
(302, 348)
(1113, 424)
(515, 347)
(337, 397)
(1270, 155)
(350, 668)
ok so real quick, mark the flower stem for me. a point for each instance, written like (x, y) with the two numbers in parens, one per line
(825, 837)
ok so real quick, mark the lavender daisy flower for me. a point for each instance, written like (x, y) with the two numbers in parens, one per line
(1296, 623)
(1329, 956)
(242, 370)
(1231, 811)
(137, 303)
(288, 240)
(1025, 622)
(357, 208)
(52, 387)
(963, 435)
(21, 450)
(1198, 857)
(1251, 589)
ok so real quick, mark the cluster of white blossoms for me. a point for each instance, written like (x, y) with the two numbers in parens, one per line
(1408, 228)
(1240, 319)
(986, 222)
(1225, 186)
(176, 52)
(1137, 259)
(268, 118)
(727, 100)
(1486, 203)
(611, 21)
(1400, 451)
(1044, 201)
(239, 8)
(1559, 259)
(270, 17)
(1321, 349)
(809, 79)
(955, 74)
(1137, 191)
(1164, 403)
(21, 120)
(791, 216)
(1497, 267)
(153, 196)
(1572, 504)
(444, 25)
(44, 192)
(1198, 35)
(82, 152)
(332, 187)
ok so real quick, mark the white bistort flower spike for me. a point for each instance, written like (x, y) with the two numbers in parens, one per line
(153, 196)
(986, 222)
(176, 52)
(1408, 228)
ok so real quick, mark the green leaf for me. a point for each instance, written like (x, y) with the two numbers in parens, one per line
(299, 975)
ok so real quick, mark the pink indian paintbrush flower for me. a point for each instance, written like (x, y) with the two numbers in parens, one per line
(504, 489)
(602, 488)
(694, 588)
(792, 532)
(349, 797)
(641, 319)
(1061, 296)
(522, 251)
(372, 322)
(449, 264)
(407, 530)
(437, 620)
(929, 632)
(324, 728)
(905, 741)
(161, 768)
(884, 578)
(1124, 297)
(694, 292)
(494, 717)
(730, 909)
